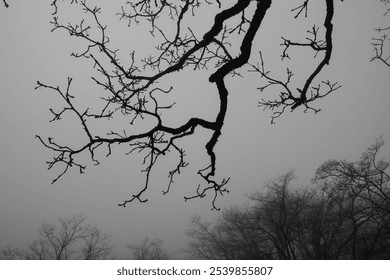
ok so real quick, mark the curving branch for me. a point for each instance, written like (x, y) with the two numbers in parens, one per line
(308, 93)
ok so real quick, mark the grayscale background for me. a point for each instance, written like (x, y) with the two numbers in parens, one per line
(250, 150)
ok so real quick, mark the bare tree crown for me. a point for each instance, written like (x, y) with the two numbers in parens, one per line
(133, 88)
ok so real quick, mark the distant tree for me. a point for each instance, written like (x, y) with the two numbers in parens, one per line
(267, 229)
(278, 213)
(367, 179)
(9, 253)
(232, 237)
(71, 239)
(343, 215)
(136, 89)
(149, 250)
(207, 243)
(362, 193)
(381, 51)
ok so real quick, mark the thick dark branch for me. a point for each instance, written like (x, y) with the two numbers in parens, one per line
(218, 78)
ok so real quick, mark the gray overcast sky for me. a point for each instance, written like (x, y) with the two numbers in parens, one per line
(250, 150)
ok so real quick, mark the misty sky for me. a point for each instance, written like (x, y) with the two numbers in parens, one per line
(250, 150)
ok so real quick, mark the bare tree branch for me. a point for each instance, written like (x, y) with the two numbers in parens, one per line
(72, 238)
(132, 91)
(149, 250)
(379, 43)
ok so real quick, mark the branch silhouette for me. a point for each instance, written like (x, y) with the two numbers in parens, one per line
(132, 87)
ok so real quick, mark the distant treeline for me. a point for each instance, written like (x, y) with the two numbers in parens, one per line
(344, 214)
